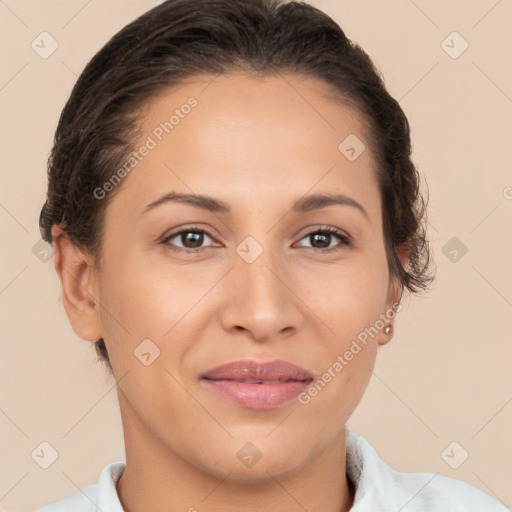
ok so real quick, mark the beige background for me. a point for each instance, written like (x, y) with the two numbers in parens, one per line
(445, 376)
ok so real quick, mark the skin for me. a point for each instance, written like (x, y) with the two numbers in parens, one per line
(258, 145)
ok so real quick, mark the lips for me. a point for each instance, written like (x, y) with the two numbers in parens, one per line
(252, 372)
(255, 385)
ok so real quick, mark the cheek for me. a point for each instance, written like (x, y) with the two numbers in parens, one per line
(349, 295)
(144, 299)
(349, 298)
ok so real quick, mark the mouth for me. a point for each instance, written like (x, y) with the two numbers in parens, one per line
(254, 385)
(255, 381)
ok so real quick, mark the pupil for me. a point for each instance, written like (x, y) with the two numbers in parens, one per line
(322, 238)
(196, 239)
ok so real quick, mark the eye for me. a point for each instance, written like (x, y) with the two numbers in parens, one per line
(322, 238)
(191, 238)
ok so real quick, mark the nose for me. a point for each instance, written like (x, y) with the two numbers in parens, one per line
(259, 300)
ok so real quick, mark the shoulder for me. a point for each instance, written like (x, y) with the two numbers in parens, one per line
(380, 488)
(458, 492)
(81, 501)
(99, 496)
(429, 491)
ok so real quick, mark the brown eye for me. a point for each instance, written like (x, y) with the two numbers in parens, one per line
(194, 238)
(188, 238)
(323, 238)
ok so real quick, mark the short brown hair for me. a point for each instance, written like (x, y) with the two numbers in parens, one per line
(181, 38)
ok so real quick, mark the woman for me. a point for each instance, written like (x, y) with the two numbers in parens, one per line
(235, 216)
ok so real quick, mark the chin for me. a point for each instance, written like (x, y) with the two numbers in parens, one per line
(260, 474)
(261, 469)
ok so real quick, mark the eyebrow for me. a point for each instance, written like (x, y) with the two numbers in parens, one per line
(302, 205)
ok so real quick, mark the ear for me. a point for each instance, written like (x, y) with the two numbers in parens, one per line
(394, 295)
(79, 285)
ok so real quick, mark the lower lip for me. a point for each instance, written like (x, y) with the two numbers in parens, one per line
(258, 396)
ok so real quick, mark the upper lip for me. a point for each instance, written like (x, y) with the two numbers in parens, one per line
(252, 370)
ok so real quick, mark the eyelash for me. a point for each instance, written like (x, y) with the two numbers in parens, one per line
(344, 238)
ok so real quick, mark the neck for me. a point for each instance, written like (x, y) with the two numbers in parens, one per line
(155, 478)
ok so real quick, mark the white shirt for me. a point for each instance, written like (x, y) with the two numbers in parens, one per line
(378, 488)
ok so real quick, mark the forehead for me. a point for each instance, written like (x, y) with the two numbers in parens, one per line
(244, 138)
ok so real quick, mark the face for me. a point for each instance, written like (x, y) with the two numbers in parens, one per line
(250, 275)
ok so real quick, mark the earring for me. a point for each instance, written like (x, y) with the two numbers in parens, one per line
(388, 329)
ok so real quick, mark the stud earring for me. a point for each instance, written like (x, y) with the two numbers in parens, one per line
(388, 329)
